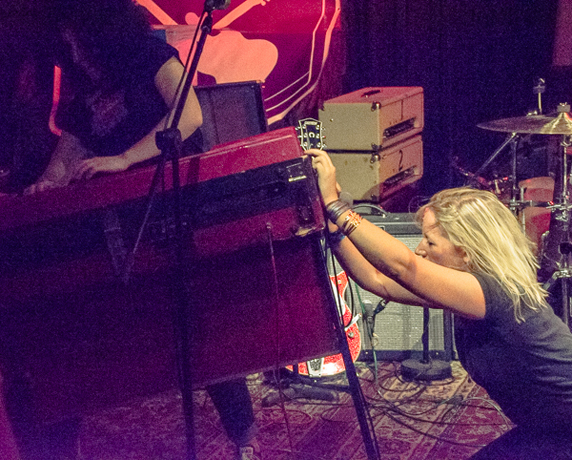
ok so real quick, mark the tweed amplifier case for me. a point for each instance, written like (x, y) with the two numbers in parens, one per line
(372, 118)
(373, 176)
(397, 328)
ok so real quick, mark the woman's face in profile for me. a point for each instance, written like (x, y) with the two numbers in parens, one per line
(436, 247)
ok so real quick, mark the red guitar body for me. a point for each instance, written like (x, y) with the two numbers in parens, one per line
(311, 136)
(332, 365)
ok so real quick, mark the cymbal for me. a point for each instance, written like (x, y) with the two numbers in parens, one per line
(532, 124)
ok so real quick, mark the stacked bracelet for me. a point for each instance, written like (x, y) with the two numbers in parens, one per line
(335, 209)
(351, 222)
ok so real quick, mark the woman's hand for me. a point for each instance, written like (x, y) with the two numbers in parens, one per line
(41, 185)
(329, 188)
(86, 169)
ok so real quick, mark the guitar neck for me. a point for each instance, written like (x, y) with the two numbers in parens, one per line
(311, 134)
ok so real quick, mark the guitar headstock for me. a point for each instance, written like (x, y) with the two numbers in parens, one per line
(311, 134)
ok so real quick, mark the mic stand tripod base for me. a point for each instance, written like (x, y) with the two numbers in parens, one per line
(412, 369)
(291, 385)
(299, 391)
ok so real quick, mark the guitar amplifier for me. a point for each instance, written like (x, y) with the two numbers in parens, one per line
(397, 328)
(375, 175)
(372, 118)
(231, 111)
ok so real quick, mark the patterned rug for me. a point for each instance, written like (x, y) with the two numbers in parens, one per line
(413, 421)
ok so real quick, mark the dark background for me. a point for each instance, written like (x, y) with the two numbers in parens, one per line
(476, 61)
(26, 83)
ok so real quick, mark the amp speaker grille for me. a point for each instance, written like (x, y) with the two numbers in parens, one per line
(397, 328)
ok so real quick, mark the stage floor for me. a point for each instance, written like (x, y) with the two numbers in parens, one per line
(413, 421)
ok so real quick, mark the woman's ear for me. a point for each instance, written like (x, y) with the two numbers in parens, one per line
(463, 254)
(466, 258)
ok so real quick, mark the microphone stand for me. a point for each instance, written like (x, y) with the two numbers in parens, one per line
(170, 143)
(427, 369)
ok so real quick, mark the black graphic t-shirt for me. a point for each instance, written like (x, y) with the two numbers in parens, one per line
(110, 122)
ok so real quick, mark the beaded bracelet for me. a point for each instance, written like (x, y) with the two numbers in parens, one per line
(335, 209)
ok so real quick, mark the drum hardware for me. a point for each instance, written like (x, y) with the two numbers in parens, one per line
(562, 213)
(515, 127)
(523, 204)
(496, 185)
(538, 89)
(472, 178)
(564, 274)
(511, 139)
(515, 203)
(561, 124)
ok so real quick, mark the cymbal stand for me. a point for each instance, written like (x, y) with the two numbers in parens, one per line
(562, 217)
(511, 138)
(515, 204)
(538, 89)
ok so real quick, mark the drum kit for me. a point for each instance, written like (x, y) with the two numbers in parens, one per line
(542, 204)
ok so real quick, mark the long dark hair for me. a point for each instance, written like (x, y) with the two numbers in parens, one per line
(110, 32)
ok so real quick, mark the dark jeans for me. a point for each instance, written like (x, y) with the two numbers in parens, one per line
(232, 400)
(522, 443)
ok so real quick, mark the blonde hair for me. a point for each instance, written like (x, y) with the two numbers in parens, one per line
(480, 224)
